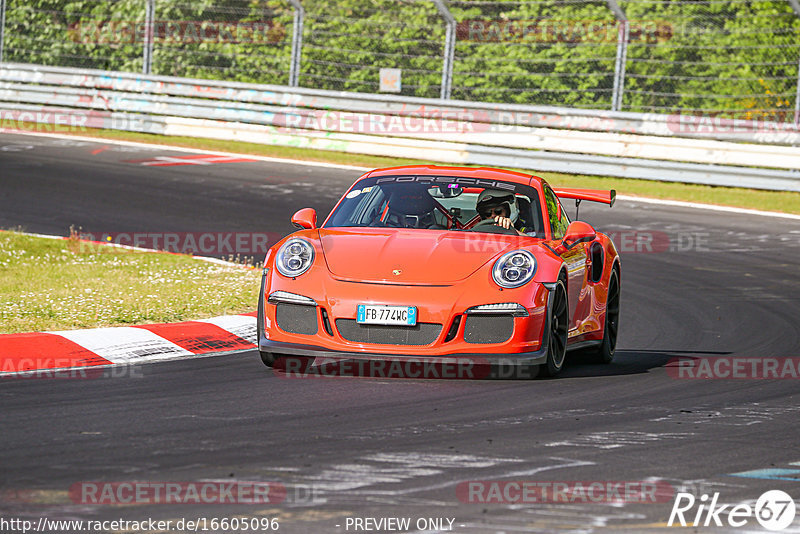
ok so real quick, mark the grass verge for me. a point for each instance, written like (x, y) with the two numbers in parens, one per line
(64, 284)
(786, 202)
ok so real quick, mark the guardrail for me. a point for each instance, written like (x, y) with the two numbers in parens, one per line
(703, 150)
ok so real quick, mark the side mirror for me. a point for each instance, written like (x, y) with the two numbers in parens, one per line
(305, 218)
(578, 232)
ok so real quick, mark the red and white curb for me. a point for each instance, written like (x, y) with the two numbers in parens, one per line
(70, 349)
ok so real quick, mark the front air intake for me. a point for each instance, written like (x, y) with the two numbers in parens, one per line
(420, 334)
(488, 328)
(296, 318)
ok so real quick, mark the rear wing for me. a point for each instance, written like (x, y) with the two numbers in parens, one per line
(592, 195)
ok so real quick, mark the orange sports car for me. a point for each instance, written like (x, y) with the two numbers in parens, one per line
(433, 262)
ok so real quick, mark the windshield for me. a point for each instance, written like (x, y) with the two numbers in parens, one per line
(433, 203)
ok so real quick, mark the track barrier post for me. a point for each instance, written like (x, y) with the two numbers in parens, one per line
(297, 42)
(449, 48)
(2, 26)
(149, 36)
(623, 36)
(796, 8)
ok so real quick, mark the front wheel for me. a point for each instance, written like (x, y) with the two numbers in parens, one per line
(559, 322)
(286, 363)
(605, 351)
(268, 358)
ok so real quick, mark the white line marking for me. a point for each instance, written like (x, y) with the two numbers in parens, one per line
(710, 207)
(288, 161)
(615, 440)
(507, 474)
(164, 160)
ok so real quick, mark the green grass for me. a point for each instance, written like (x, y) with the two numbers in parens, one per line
(786, 202)
(64, 284)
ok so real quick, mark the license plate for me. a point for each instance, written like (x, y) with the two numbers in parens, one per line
(391, 315)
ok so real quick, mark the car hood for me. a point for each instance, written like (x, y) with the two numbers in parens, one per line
(410, 256)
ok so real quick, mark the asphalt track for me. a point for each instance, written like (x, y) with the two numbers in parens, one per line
(726, 286)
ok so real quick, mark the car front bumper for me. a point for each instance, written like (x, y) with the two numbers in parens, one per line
(537, 357)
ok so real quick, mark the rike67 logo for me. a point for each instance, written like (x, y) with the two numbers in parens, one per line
(774, 510)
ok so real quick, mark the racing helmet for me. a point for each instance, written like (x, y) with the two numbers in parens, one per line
(410, 207)
(492, 198)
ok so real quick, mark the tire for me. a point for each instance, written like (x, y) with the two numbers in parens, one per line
(604, 353)
(267, 357)
(271, 359)
(558, 325)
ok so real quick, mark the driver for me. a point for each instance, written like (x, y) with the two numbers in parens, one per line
(410, 207)
(500, 205)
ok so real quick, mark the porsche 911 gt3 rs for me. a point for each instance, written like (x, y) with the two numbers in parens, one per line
(441, 262)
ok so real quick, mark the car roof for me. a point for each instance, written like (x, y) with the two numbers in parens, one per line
(472, 172)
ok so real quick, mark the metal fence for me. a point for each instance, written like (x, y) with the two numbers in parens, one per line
(736, 58)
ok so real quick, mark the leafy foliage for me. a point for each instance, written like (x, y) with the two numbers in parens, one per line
(704, 55)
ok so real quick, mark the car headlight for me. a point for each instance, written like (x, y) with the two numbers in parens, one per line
(514, 269)
(294, 257)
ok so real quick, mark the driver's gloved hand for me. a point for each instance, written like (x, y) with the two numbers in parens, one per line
(505, 222)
